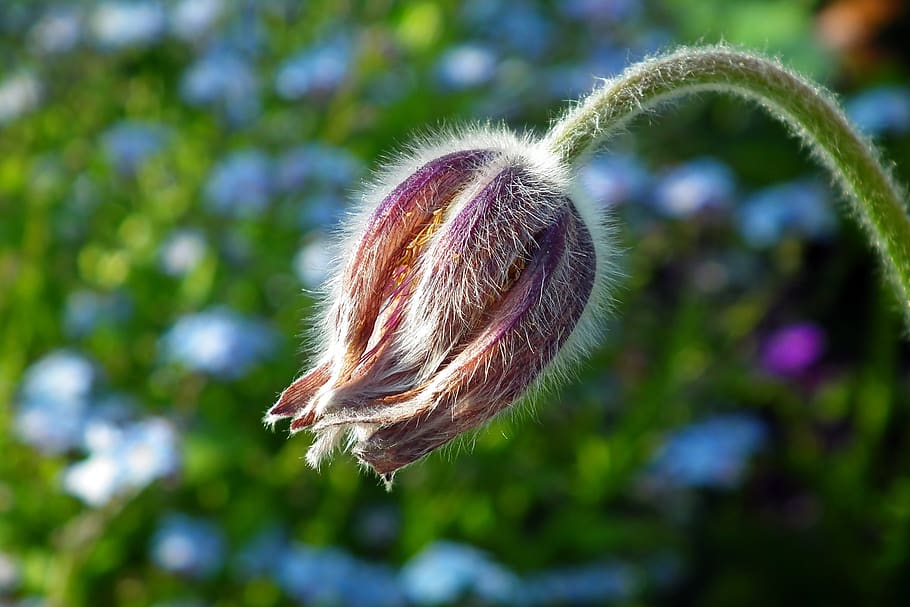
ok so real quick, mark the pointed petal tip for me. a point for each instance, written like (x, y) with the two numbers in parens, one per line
(280, 410)
(384, 467)
(297, 396)
(286, 405)
(269, 420)
(388, 479)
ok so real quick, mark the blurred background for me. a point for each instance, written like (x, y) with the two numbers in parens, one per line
(169, 174)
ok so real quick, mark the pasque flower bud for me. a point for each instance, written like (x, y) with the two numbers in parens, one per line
(468, 273)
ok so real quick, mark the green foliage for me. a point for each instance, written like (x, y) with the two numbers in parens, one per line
(819, 515)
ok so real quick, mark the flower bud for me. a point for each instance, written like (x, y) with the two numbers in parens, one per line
(462, 284)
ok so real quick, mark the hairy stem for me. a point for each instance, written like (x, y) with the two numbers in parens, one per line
(809, 111)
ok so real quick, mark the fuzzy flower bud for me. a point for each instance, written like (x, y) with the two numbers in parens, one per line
(467, 274)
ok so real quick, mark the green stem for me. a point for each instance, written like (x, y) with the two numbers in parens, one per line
(811, 112)
(74, 545)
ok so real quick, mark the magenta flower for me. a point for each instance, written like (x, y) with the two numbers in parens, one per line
(462, 284)
(793, 349)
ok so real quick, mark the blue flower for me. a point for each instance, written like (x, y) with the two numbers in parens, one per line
(578, 77)
(61, 376)
(317, 70)
(612, 11)
(607, 60)
(224, 80)
(517, 26)
(181, 252)
(130, 143)
(567, 79)
(885, 109)
(188, 546)
(798, 207)
(694, 187)
(105, 421)
(218, 341)
(525, 29)
(329, 576)
(85, 311)
(54, 398)
(95, 480)
(122, 459)
(321, 211)
(615, 179)
(294, 168)
(317, 165)
(19, 94)
(58, 30)
(147, 452)
(9, 574)
(312, 263)
(263, 553)
(711, 453)
(466, 66)
(124, 24)
(193, 18)
(373, 585)
(241, 184)
(449, 573)
(594, 584)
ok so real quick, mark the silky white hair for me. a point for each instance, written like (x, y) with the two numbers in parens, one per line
(547, 180)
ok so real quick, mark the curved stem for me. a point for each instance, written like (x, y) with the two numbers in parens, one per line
(811, 112)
